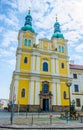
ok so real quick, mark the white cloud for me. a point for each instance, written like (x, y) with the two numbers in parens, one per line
(9, 37)
(79, 48)
(11, 20)
(77, 58)
(13, 48)
(1, 29)
(2, 16)
(6, 53)
(11, 62)
(10, 3)
(23, 5)
(9, 15)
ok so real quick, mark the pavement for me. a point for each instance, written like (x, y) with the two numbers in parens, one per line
(37, 121)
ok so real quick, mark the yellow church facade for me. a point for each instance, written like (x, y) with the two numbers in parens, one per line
(41, 72)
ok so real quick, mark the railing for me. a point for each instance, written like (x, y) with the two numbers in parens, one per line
(42, 121)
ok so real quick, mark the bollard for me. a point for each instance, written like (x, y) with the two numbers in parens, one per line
(32, 120)
(11, 118)
(38, 113)
(12, 113)
(68, 116)
(51, 115)
(26, 113)
(81, 119)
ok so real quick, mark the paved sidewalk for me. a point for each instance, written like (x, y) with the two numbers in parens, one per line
(37, 121)
(58, 125)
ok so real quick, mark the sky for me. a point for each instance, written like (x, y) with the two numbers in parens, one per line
(12, 18)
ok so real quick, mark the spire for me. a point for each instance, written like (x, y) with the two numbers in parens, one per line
(56, 18)
(29, 10)
(57, 30)
(28, 23)
(28, 19)
(57, 26)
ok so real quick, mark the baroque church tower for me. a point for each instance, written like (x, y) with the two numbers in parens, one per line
(42, 70)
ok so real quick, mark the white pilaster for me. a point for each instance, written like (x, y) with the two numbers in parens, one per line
(32, 63)
(42, 44)
(66, 48)
(58, 94)
(38, 64)
(68, 69)
(37, 92)
(50, 46)
(20, 39)
(15, 91)
(18, 57)
(57, 68)
(52, 65)
(31, 92)
(54, 93)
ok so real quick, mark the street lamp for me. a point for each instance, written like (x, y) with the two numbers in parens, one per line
(69, 85)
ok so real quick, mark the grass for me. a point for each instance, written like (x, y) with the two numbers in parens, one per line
(36, 120)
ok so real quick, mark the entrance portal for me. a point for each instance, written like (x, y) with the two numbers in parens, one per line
(45, 104)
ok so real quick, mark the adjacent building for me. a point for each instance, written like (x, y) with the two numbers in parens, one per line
(76, 72)
(4, 103)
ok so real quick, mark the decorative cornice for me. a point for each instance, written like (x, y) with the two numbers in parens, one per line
(35, 50)
(52, 76)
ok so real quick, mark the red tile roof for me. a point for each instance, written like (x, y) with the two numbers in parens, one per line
(78, 67)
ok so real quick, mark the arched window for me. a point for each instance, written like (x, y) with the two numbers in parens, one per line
(45, 88)
(45, 66)
(59, 48)
(62, 65)
(29, 43)
(25, 60)
(23, 93)
(25, 42)
(64, 94)
(62, 49)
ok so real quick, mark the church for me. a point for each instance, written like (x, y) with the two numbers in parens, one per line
(41, 72)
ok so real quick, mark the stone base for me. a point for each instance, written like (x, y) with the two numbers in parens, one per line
(60, 108)
(36, 108)
(23, 108)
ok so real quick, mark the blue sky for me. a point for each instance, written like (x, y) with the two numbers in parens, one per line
(12, 14)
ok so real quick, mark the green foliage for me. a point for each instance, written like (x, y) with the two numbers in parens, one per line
(72, 107)
(35, 45)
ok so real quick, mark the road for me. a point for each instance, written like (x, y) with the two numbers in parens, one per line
(4, 113)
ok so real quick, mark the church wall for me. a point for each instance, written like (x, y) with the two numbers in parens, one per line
(23, 84)
(63, 71)
(45, 58)
(25, 66)
(64, 88)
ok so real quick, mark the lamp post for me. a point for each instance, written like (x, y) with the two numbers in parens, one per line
(12, 112)
(12, 105)
(69, 85)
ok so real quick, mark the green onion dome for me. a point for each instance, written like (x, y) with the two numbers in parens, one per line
(57, 31)
(28, 23)
(28, 28)
(58, 35)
